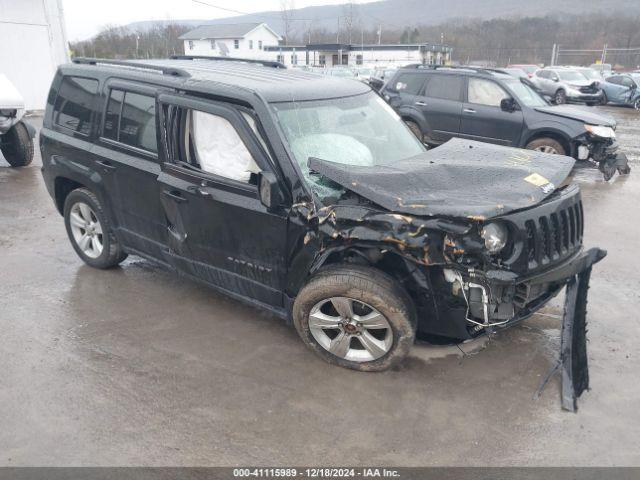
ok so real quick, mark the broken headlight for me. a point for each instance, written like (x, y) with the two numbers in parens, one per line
(495, 237)
(600, 131)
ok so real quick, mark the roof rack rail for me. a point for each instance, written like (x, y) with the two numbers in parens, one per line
(176, 72)
(266, 63)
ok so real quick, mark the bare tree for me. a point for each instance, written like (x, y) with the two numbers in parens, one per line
(286, 11)
(350, 15)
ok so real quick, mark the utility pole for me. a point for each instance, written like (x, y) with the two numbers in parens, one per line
(604, 53)
(553, 55)
(379, 34)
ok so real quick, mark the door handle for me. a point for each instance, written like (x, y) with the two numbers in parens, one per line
(199, 191)
(420, 104)
(468, 110)
(106, 164)
(174, 195)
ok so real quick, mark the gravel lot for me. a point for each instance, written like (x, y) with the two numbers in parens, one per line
(136, 366)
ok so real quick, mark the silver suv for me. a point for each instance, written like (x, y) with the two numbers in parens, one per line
(566, 85)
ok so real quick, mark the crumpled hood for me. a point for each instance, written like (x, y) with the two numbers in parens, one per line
(580, 114)
(460, 178)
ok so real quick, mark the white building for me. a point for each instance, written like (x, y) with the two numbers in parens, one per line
(242, 40)
(335, 54)
(32, 44)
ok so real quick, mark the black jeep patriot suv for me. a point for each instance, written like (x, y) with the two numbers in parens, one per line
(308, 196)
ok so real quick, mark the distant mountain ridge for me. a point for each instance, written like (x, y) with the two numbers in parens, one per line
(398, 14)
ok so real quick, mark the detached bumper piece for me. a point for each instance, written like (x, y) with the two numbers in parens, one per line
(609, 159)
(573, 361)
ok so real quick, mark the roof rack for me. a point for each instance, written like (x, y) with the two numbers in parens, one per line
(266, 63)
(133, 65)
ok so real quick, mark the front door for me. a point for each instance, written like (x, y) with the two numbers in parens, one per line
(217, 228)
(482, 117)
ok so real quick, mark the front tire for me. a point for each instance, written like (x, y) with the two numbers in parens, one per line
(604, 100)
(89, 230)
(17, 146)
(546, 145)
(415, 129)
(560, 98)
(356, 317)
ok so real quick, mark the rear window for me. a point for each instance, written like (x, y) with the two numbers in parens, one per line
(75, 104)
(410, 83)
(131, 119)
(446, 87)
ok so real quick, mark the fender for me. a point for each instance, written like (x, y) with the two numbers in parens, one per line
(408, 112)
(30, 128)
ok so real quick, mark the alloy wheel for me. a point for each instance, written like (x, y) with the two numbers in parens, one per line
(636, 104)
(561, 97)
(350, 329)
(547, 149)
(86, 229)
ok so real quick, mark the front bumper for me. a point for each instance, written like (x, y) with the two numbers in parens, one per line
(581, 97)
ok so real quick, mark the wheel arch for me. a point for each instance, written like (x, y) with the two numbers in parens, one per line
(564, 140)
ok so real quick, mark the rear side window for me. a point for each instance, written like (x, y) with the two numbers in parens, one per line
(131, 119)
(446, 87)
(75, 104)
(542, 73)
(410, 83)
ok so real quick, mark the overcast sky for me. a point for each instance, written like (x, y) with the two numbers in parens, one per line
(85, 17)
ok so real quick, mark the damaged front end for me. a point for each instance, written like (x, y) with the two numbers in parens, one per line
(599, 145)
(470, 266)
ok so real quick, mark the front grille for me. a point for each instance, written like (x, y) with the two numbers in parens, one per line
(589, 89)
(554, 236)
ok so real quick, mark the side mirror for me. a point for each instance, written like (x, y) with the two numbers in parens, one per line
(270, 193)
(508, 105)
(556, 79)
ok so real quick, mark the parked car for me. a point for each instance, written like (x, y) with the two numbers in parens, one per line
(306, 196)
(16, 134)
(380, 77)
(489, 106)
(604, 69)
(515, 72)
(622, 89)
(530, 69)
(590, 74)
(342, 72)
(565, 85)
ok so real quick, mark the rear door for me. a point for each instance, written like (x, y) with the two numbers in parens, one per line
(441, 105)
(482, 117)
(127, 152)
(217, 229)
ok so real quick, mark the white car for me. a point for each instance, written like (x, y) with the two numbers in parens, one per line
(16, 135)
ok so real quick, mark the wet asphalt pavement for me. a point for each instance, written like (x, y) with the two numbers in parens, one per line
(136, 366)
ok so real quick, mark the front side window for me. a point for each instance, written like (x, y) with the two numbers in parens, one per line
(215, 147)
(131, 119)
(445, 87)
(361, 130)
(485, 92)
(614, 80)
(410, 83)
(542, 73)
(75, 104)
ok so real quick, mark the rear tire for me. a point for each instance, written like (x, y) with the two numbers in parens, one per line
(546, 145)
(376, 331)
(17, 146)
(89, 230)
(415, 129)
